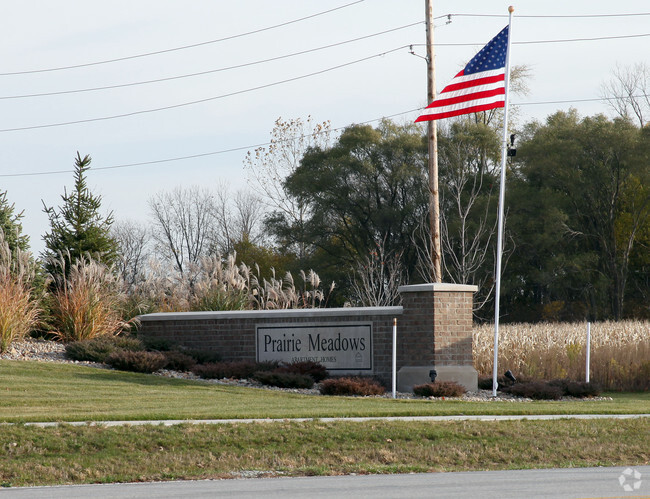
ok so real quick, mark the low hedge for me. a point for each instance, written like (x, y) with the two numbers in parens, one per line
(98, 349)
(202, 356)
(351, 386)
(544, 390)
(241, 369)
(140, 362)
(316, 370)
(536, 390)
(579, 389)
(284, 379)
(439, 389)
(178, 361)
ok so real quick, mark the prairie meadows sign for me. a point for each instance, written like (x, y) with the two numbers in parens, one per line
(339, 347)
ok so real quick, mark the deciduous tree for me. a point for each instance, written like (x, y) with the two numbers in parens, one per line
(596, 172)
(368, 188)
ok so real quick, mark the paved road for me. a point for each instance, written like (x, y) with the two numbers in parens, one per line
(555, 483)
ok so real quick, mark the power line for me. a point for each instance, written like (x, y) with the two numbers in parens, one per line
(184, 47)
(200, 101)
(560, 40)
(201, 73)
(199, 155)
(568, 16)
(584, 39)
(568, 101)
(262, 61)
(254, 146)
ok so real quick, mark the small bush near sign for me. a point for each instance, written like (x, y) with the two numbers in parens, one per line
(178, 361)
(351, 386)
(284, 379)
(439, 389)
(140, 362)
(314, 369)
(536, 390)
(578, 389)
(97, 349)
(242, 369)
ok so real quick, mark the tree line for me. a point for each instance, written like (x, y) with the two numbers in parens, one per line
(354, 208)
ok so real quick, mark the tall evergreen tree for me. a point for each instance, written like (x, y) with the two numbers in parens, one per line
(77, 228)
(11, 226)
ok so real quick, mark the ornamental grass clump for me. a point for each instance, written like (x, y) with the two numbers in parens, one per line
(19, 310)
(216, 283)
(86, 301)
(219, 285)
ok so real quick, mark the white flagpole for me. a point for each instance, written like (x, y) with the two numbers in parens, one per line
(502, 195)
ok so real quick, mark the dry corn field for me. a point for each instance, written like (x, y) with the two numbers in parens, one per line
(620, 352)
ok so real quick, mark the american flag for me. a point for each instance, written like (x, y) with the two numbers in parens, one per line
(478, 87)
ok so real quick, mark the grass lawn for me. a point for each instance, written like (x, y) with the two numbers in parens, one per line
(38, 391)
(96, 454)
(33, 391)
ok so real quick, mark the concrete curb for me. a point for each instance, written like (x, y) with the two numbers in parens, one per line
(174, 422)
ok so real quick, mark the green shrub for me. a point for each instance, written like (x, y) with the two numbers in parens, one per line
(211, 370)
(439, 389)
(351, 386)
(316, 370)
(128, 342)
(178, 361)
(140, 362)
(241, 369)
(536, 390)
(579, 389)
(485, 383)
(202, 356)
(95, 350)
(502, 381)
(284, 379)
(157, 344)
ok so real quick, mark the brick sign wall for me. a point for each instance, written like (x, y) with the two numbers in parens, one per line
(434, 329)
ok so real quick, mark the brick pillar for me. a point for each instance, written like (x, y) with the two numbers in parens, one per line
(435, 332)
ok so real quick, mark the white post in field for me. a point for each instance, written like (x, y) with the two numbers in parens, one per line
(588, 351)
(395, 358)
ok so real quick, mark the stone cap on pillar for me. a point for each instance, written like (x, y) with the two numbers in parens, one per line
(438, 287)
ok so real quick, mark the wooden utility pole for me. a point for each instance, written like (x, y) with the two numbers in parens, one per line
(432, 136)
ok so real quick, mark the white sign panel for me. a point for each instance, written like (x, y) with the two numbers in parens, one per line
(339, 347)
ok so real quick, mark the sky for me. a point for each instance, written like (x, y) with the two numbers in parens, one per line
(62, 48)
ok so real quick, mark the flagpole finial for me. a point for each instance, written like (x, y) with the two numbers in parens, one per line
(511, 9)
